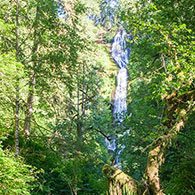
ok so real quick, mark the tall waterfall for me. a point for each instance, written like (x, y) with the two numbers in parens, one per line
(120, 54)
(120, 105)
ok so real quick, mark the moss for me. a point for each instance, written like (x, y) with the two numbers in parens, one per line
(119, 182)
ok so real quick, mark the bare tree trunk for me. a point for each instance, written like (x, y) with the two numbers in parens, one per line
(81, 97)
(29, 109)
(83, 92)
(79, 122)
(32, 77)
(17, 120)
(17, 99)
(74, 191)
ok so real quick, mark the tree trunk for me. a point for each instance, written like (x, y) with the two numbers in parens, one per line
(83, 92)
(29, 105)
(156, 155)
(29, 109)
(155, 158)
(17, 120)
(17, 99)
(79, 120)
(119, 182)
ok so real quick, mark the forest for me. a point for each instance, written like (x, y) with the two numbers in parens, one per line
(97, 97)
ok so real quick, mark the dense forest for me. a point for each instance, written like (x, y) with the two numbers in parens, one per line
(97, 97)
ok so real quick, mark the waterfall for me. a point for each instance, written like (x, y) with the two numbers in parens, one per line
(108, 11)
(120, 105)
(120, 54)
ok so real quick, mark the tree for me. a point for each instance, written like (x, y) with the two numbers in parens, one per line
(56, 81)
(15, 176)
(59, 84)
(162, 59)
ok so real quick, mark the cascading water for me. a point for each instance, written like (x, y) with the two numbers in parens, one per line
(120, 54)
(107, 15)
(120, 105)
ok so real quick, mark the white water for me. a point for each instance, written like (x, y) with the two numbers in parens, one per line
(120, 54)
(108, 9)
(120, 104)
(111, 143)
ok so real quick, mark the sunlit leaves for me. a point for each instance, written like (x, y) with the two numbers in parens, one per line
(15, 176)
(162, 63)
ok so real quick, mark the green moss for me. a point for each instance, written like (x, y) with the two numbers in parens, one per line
(119, 182)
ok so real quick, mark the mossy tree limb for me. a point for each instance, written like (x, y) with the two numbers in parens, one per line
(176, 121)
(119, 182)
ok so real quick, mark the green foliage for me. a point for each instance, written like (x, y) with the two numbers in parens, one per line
(50, 179)
(10, 71)
(177, 172)
(161, 64)
(64, 173)
(62, 66)
(61, 56)
(15, 176)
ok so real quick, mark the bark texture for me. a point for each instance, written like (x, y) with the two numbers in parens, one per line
(119, 182)
(178, 109)
(17, 88)
(29, 109)
(17, 121)
(32, 76)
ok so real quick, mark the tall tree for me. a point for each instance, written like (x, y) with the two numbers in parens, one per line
(162, 60)
(17, 100)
